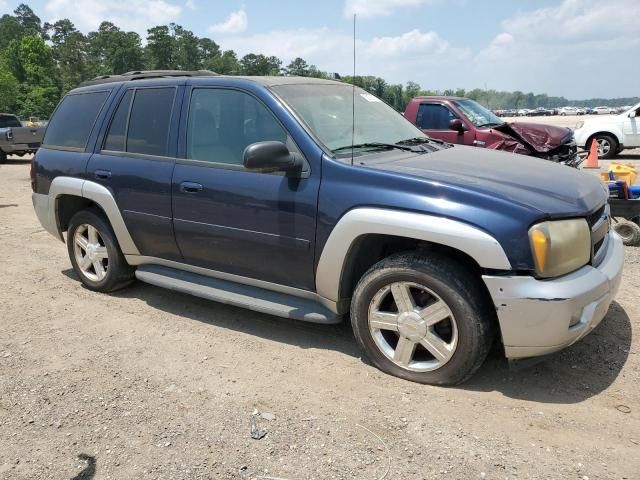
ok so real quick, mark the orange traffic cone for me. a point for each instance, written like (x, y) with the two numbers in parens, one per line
(592, 158)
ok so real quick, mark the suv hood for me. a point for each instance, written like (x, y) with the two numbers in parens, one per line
(552, 189)
(536, 136)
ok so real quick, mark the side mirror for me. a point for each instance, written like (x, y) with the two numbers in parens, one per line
(457, 125)
(271, 156)
(632, 114)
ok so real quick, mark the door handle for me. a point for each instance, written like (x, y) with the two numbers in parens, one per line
(102, 174)
(190, 187)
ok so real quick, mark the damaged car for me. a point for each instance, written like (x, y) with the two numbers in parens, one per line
(466, 122)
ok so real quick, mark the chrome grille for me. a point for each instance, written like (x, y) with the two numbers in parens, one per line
(599, 223)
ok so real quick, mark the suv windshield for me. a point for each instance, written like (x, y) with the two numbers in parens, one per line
(328, 112)
(477, 114)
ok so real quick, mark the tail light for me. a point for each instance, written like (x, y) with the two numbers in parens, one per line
(32, 174)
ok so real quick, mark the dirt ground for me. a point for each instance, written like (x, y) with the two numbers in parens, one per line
(148, 383)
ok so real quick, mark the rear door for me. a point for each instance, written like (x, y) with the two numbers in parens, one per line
(134, 159)
(434, 120)
(226, 218)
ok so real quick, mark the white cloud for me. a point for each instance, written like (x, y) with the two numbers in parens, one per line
(236, 22)
(191, 5)
(376, 8)
(413, 55)
(4, 6)
(136, 15)
(572, 49)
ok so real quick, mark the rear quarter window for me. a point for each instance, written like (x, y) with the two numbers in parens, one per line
(74, 119)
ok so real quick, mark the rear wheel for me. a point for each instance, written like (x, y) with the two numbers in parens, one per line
(423, 319)
(95, 254)
(3, 157)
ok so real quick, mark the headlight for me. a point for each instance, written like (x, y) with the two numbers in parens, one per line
(560, 247)
(579, 125)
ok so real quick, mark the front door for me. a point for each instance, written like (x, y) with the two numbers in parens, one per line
(229, 219)
(434, 120)
(632, 130)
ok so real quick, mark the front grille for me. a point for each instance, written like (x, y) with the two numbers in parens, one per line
(599, 224)
(596, 216)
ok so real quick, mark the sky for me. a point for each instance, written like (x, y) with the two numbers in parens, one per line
(574, 48)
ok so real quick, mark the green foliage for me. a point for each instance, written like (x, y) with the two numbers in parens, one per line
(39, 63)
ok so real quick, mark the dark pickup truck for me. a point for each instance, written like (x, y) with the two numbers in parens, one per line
(16, 139)
(260, 192)
(466, 122)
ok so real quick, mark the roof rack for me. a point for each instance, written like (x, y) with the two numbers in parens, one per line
(146, 74)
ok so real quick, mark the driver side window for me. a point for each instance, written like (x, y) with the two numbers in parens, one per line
(223, 122)
(433, 116)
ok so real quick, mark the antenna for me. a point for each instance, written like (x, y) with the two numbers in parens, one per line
(353, 92)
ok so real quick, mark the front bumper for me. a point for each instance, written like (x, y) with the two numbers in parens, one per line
(538, 317)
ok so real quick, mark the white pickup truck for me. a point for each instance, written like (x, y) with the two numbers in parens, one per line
(613, 133)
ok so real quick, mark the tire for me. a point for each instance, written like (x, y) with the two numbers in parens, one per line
(629, 231)
(104, 274)
(3, 157)
(465, 333)
(608, 145)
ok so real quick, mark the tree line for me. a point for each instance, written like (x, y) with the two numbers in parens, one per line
(40, 62)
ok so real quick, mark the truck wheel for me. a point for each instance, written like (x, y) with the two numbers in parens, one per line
(607, 145)
(3, 157)
(423, 318)
(629, 231)
(95, 254)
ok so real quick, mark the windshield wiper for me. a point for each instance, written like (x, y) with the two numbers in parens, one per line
(376, 145)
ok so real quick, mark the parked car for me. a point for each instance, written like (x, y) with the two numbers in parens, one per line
(564, 111)
(613, 134)
(524, 112)
(581, 111)
(541, 112)
(463, 121)
(262, 192)
(16, 139)
(604, 111)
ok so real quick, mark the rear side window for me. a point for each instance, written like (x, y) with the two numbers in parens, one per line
(432, 116)
(141, 122)
(7, 121)
(117, 135)
(74, 119)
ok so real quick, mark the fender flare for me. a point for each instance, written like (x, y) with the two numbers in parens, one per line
(102, 197)
(614, 132)
(479, 245)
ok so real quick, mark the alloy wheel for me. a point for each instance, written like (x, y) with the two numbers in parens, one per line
(604, 146)
(90, 252)
(412, 326)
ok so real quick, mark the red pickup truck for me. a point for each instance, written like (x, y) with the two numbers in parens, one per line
(466, 122)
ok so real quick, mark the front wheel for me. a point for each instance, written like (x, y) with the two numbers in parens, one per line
(3, 157)
(607, 146)
(95, 254)
(423, 318)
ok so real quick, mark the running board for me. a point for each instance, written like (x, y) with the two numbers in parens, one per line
(238, 295)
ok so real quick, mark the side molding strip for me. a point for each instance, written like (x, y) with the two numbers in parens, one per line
(100, 195)
(479, 245)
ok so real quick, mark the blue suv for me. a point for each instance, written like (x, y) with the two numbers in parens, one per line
(267, 193)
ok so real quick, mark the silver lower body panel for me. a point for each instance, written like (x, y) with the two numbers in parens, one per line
(538, 317)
